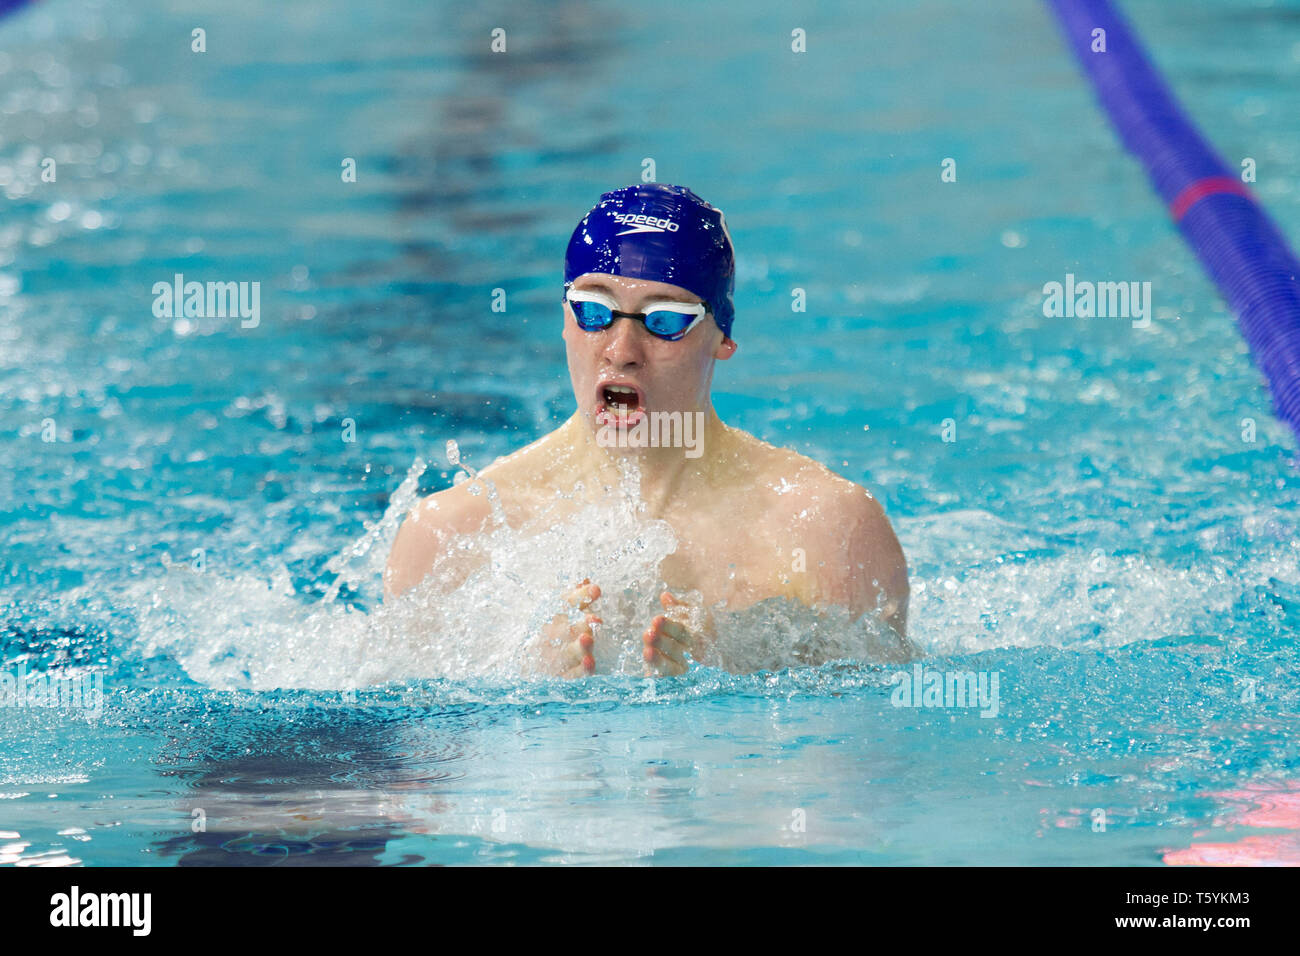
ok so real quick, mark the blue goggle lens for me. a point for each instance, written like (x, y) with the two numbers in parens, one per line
(668, 324)
(665, 323)
(592, 316)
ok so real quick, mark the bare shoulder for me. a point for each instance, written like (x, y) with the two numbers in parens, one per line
(843, 521)
(842, 508)
(464, 511)
(428, 530)
(807, 487)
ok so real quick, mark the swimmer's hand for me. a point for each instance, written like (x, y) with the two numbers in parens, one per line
(667, 641)
(566, 648)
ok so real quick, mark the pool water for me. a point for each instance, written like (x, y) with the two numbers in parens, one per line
(1100, 534)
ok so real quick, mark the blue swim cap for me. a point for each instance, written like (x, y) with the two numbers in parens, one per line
(662, 233)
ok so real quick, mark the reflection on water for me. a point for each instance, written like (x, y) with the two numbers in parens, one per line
(318, 790)
(1272, 807)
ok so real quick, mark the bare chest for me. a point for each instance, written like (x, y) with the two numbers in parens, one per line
(739, 563)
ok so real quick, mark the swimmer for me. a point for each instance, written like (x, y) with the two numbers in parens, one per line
(649, 277)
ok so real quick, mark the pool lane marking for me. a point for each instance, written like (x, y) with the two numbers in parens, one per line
(1207, 186)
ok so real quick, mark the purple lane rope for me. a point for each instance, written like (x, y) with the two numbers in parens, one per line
(1242, 249)
(9, 6)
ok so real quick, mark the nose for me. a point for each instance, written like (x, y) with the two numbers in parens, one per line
(625, 343)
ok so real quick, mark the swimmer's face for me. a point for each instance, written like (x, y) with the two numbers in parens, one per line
(667, 376)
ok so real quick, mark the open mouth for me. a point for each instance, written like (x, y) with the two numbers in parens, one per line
(619, 404)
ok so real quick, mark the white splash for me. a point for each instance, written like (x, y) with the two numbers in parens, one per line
(252, 631)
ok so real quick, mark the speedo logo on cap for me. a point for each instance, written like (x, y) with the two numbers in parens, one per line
(643, 223)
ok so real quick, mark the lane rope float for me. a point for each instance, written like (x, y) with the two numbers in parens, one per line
(1245, 254)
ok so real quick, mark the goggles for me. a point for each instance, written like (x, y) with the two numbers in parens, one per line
(667, 320)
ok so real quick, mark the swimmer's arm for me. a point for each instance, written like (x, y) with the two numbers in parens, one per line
(875, 568)
(425, 537)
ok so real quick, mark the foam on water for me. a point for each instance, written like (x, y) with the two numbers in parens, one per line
(982, 584)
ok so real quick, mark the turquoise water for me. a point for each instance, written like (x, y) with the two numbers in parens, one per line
(1099, 534)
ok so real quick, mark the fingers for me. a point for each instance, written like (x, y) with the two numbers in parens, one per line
(577, 655)
(578, 670)
(675, 610)
(582, 596)
(669, 601)
(581, 641)
(666, 643)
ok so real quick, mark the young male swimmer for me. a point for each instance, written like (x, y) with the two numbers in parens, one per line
(649, 276)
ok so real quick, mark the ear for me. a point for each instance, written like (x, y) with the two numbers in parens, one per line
(726, 349)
